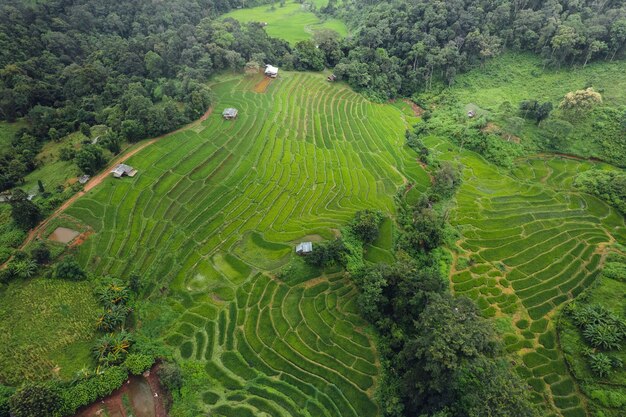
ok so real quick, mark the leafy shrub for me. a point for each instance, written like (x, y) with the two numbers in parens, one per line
(69, 269)
(602, 364)
(171, 377)
(40, 253)
(5, 396)
(35, 400)
(138, 363)
(89, 390)
(365, 224)
(604, 335)
(601, 328)
(615, 270)
(607, 185)
(327, 253)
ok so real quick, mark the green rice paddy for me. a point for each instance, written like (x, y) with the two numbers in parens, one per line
(530, 242)
(293, 22)
(213, 209)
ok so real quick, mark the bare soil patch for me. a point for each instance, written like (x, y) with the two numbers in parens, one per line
(417, 110)
(145, 398)
(63, 235)
(262, 85)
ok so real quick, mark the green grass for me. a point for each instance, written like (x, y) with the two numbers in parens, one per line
(512, 78)
(7, 131)
(530, 229)
(214, 207)
(59, 317)
(292, 22)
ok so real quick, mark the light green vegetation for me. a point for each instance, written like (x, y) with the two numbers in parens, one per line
(7, 131)
(215, 206)
(530, 242)
(606, 393)
(294, 22)
(46, 328)
(504, 82)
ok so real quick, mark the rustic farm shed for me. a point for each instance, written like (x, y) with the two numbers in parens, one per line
(83, 179)
(230, 113)
(123, 169)
(304, 248)
(271, 71)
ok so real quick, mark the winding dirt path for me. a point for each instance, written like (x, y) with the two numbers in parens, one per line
(96, 180)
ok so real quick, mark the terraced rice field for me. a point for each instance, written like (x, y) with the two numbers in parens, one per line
(530, 242)
(215, 208)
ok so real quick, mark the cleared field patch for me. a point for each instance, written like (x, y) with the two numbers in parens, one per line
(213, 209)
(531, 242)
(292, 22)
(59, 316)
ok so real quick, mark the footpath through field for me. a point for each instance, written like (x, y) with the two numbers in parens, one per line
(93, 182)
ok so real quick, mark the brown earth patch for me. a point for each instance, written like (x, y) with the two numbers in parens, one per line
(497, 130)
(145, 394)
(63, 235)
(81, 238)
(417, 110)
(262, 85)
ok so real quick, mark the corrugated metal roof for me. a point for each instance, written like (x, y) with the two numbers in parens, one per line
(304, 247)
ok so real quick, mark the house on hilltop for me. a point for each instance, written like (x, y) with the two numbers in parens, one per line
(304, 248)
(271, 71)
(230, 113)
(123, 169)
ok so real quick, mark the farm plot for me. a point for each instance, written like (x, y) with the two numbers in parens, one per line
(214, 208)
(285, 349)
(530, 242)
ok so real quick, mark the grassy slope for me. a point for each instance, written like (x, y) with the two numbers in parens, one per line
(7, 130)
(46, 328)
(291, 22)
(214, 206)
(515, 77)
(534, 243)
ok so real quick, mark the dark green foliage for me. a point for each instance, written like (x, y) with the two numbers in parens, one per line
(308, 57)
(5, 396)
(86, 391)
(170, 376)
(414, 142)
(446, 179)
(40, 253)
(14, 165)
(403, 46)
(112, 348)
(532, 109)
(602, 364)
(68, 268)
(113, 295)
(607, 185)
(90, 159)
(25, 213)
(487, 387)
(365, 225)
(424, 228)
(35, 400)
(601, 328)
(328, 253)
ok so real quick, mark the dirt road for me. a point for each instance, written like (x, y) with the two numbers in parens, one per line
(96, 180)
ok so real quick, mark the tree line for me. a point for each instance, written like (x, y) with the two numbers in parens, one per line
(404, 46)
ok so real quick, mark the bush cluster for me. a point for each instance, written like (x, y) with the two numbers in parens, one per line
(603, 331)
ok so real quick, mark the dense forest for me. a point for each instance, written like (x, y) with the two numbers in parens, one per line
(138, 67)
(403, 46)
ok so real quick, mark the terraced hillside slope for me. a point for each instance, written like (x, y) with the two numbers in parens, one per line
(530, 242)
(213, 208)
